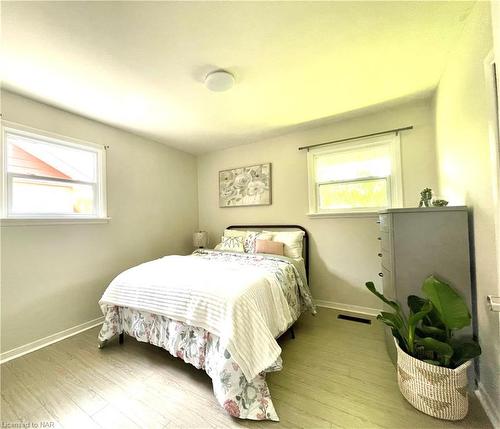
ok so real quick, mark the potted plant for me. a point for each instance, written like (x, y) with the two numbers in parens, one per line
(432, 360)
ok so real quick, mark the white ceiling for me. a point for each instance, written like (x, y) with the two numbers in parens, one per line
(141, 65)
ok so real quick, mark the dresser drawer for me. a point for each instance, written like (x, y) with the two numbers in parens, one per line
(385, 222)
(387, 284)
(386, 259)
(385, 241)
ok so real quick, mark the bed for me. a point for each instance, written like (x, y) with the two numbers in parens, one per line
(218, 310)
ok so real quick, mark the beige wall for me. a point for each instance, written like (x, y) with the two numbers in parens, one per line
(495, 20)
(53, 276)
(343, 250)
(465, 173)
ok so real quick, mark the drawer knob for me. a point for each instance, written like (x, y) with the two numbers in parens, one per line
(379, 255)
(378, 221)
(381, 274)
(379, 238)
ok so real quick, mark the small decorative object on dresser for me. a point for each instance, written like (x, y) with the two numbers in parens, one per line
(432, 361)
(200, 239)
(245, 186)
(425, 197)
(439, 203)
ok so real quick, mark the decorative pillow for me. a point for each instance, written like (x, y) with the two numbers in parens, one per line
(250, 239)
(292, 241)
(233, 244)
(268, 246)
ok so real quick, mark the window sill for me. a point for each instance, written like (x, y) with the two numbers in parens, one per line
(22, 221)
(370, 214)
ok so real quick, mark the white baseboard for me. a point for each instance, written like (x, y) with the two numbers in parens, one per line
(44, 342)
(348, 307)
(489, 405)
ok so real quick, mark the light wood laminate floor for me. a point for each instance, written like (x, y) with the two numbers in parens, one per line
(336, 375)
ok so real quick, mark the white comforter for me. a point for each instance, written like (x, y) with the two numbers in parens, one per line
(243, 305)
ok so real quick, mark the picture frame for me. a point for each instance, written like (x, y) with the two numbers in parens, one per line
(246, 186)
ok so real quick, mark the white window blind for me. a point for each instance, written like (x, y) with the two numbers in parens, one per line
(358, 176)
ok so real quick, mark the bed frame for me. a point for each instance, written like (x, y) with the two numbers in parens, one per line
(305, 254)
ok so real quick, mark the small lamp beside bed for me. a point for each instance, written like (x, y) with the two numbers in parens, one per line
(200, 239)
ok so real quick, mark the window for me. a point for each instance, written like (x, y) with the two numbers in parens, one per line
(362, 175)
(48, 177)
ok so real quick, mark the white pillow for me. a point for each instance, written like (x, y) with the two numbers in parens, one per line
(233, 244)
(292, 241)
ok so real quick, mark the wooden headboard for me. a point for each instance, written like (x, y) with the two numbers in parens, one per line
(305, 243)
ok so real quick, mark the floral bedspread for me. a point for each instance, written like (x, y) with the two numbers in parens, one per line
(238, 396)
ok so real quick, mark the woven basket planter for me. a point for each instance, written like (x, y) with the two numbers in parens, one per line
(434, 390)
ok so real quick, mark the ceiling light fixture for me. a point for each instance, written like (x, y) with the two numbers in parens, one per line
(219, 80)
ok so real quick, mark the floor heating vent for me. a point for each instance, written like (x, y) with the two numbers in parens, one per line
(354, 319)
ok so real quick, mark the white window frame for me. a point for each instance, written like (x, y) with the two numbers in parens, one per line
(394, 181)
(100, 206)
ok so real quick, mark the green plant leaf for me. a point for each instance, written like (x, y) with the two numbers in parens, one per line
(431, 331)
(391, 319)
(415, 318)
(396, 323)
(393, 304)
(442, 351)
(415, 303)
(412, 323)
(421, 353)
(464, 350)
(449, 305)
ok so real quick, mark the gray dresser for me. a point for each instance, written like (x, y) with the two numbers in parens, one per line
(418, 242)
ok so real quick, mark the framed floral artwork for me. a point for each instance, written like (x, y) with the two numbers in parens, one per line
(245, 186)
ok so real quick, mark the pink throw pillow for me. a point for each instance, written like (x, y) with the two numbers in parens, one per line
(268, 246)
